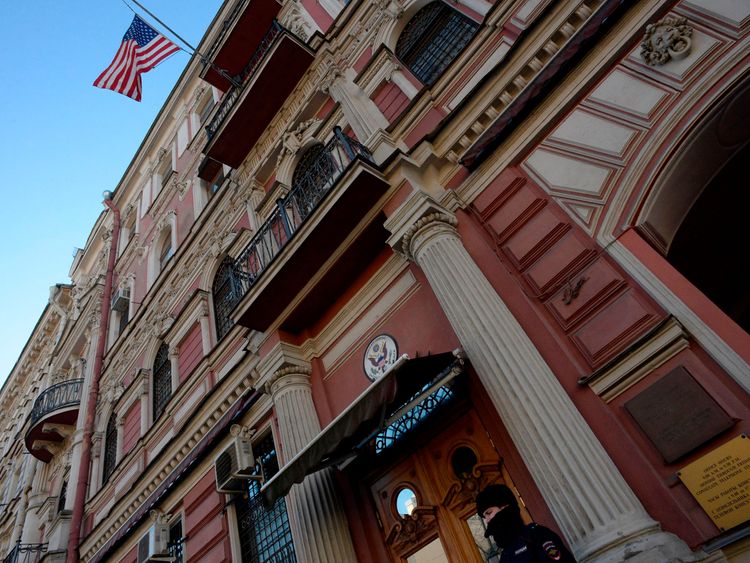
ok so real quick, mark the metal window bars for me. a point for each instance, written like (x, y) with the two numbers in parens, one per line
(432, 39)
(265, 534)
(310, 188)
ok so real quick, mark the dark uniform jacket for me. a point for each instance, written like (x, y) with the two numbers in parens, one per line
(537, 544)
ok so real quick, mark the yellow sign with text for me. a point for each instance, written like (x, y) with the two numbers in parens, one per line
(720, 482)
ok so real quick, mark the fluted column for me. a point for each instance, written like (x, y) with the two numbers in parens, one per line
(315, 512)
(597, 511)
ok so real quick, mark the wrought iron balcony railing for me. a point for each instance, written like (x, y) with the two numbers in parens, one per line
(26, 553)
(291, 211)
(234, 93)
(60, 395)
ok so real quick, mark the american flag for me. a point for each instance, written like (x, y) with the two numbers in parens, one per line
(141, 50)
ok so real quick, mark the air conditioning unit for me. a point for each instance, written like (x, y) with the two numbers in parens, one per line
(121, 299)
(235, 465)
(153, 546)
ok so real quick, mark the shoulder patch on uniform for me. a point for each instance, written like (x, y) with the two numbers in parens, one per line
(551, 550)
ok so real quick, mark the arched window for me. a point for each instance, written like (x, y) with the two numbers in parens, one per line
(432, 39)
(313, 176)
(226, 294)
(162, 380)
(110, 449)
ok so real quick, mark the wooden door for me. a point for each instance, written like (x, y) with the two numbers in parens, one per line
(439, 524)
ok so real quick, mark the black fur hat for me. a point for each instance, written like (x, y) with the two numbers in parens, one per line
(494, 495)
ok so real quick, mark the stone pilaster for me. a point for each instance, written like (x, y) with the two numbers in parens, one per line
(597, 511)
(361, 112)
(318, 521)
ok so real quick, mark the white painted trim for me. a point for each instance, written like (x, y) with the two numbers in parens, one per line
(717, 348)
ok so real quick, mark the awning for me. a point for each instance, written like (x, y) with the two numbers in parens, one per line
(402, 386)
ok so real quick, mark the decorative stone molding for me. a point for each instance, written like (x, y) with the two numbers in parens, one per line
(167, 221)
(295, 21)
(423, 222)
(298, 372)
(412, 529)
(239, 431)
(464, 492)
(294, 139)
(668, 39)
(159, 517)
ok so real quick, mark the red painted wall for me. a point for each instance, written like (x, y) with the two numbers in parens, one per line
(535, 257)
(131, 429)
(390, 100)
(205, 525)
(191, 352)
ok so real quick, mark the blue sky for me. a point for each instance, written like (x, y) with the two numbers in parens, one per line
(65, 141)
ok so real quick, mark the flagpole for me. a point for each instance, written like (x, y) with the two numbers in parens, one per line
(202, 57)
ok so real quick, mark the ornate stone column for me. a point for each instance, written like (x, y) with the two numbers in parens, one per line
(597, 511)
(361, 112)
(315, 512)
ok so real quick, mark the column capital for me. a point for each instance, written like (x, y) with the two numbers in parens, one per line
(416, 214)
(287, 377)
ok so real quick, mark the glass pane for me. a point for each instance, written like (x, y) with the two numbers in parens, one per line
(487, 549)
(406, 502)
(433, 552)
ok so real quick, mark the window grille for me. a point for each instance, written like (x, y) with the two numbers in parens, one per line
(110, 449)
(265, 535)
(432, 39)
(226, 295)
(162, 380)
(403, 425)
(315, 167)
(176, 544)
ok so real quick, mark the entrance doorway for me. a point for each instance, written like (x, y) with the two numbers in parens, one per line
(425, 499)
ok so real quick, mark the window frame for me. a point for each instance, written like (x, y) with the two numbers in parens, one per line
(161, 372)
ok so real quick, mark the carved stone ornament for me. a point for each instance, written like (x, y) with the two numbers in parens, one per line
(464, 492)
(159, 516)
(668, 39)
(411, 530)
(237, 430)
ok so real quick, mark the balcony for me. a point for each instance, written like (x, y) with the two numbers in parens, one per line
(320, 235)
(263, 85)
(240, 35)
(52, 418)
(26, 553)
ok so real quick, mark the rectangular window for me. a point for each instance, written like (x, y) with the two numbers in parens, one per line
(176, 544)
(264, 532)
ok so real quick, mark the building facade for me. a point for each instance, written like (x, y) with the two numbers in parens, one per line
(373, 256)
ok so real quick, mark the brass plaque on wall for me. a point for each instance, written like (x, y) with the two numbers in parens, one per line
(720, 482)
(677, 414)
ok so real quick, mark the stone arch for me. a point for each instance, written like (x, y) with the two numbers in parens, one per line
(712, 143)
(693, 213)
(295, 143)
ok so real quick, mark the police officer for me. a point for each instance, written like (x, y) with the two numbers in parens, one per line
(521, 543)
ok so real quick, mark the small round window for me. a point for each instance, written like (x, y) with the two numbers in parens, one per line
(406, 502)
(463, 461)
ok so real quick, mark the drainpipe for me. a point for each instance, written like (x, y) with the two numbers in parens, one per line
(84, 468)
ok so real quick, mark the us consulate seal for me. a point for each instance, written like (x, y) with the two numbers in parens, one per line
(381, 353)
